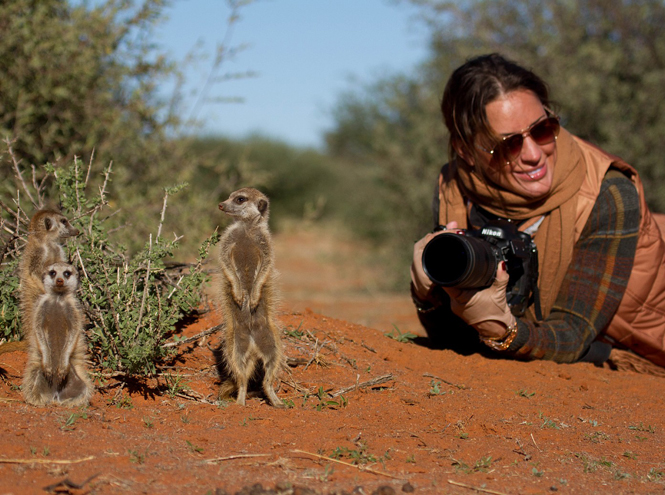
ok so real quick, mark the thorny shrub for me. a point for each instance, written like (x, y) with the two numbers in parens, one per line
(132, 303)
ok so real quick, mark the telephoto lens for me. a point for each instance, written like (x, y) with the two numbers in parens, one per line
(455, 260)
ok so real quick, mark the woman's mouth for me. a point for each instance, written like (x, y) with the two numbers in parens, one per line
(535, 174)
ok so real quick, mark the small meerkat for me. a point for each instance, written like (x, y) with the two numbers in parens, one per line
(247, 293)
(55, 371)
(47, 232)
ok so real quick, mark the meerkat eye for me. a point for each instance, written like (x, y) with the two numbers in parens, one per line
(52, 273)
(241, 199)
(67, 274)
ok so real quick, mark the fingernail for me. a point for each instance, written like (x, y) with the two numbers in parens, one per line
(503, 265)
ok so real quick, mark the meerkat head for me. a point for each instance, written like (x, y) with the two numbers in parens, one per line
(60, 278)
(246, 204)
(52, 224)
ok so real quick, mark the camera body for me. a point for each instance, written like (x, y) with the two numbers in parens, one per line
(469, 259)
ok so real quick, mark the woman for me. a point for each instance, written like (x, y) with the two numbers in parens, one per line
(601, 282)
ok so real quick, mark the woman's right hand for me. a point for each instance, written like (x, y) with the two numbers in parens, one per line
(421, 282)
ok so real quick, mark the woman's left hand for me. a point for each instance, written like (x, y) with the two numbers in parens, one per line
(421, 282)
(486, 310)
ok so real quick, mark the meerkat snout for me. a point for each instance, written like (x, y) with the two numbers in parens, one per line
(60, 280)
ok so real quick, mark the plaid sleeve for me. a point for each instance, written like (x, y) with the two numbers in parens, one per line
(595, 281)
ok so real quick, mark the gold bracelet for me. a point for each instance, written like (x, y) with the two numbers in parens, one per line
(501, 343)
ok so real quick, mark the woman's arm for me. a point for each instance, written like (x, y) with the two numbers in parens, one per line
(594, 282)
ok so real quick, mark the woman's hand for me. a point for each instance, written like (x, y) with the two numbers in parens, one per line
(421, 282)
(486, 310)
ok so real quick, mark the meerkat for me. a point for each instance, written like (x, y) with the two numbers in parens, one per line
(247, 293)
(47, 232)
(55, 371)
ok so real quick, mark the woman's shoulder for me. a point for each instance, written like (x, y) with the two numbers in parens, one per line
(617, 181)
(617, 202)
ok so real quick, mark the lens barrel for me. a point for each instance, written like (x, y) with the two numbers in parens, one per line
(454, 260)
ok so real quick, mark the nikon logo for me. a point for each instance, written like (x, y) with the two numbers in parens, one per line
(491, 232)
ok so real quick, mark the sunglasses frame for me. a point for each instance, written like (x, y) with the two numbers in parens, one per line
(496, 151)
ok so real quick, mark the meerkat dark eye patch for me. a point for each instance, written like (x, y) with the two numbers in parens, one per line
(52, 273)
(241, 199)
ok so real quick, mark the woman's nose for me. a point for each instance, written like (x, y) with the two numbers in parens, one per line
(531, 151)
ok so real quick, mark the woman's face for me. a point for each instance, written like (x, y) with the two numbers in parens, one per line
(530, 174)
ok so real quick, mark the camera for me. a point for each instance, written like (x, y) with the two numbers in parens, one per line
(469, 260)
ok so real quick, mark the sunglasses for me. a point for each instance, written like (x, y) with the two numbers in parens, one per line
(509, 148)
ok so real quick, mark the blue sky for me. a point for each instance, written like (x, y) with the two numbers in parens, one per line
(304, 52)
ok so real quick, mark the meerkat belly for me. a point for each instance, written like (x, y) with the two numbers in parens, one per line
(56, 327)
(248, 260)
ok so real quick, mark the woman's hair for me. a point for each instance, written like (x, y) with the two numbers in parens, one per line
(480, 81)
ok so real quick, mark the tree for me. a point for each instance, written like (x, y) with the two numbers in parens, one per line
(77, 79)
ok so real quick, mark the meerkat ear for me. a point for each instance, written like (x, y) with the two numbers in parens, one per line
(263, 206)
(47, 223)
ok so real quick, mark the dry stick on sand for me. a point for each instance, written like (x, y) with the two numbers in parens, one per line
(195, 337)
(461, 387)
(231, 457)
(360, 468)
(370, 383)
(483, 490)
(44, 461)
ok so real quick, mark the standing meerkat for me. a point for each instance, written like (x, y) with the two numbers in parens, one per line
(55, 371)
(47, 232)
(247, 293)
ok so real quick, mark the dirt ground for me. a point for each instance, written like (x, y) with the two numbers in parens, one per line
(367, 413)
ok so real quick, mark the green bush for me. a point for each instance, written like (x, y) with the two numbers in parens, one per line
(133, 303)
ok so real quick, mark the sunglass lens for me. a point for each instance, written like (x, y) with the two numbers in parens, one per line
(545, 131)
(511, 147)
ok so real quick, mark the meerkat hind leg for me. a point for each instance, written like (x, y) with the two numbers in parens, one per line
(243, 378)
(271, 372)
(74, 388)
(36, 390)
(242, 363)
(272, 360)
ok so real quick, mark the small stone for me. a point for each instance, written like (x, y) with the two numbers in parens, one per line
(408, 488)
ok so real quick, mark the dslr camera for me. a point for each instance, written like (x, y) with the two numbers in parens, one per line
(468, 259)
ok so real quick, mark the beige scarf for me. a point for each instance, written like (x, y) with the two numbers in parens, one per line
(555, 237)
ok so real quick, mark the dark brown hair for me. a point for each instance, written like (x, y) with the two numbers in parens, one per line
(480, 81)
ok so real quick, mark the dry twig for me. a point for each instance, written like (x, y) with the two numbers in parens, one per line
(360, 468)
(45, 461)
(231, 457)
(461, 387)
(483, 490)
(370, 383)
(198, 336)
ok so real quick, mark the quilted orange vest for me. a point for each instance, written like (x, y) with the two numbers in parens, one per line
(639, 323)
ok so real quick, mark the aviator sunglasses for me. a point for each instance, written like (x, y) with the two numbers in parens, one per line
(509, 148)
